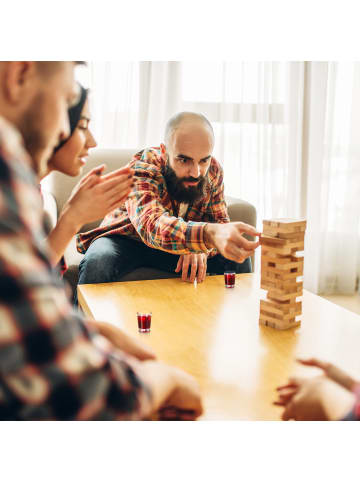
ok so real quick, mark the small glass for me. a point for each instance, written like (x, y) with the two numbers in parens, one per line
(229, 277)
(144, 322)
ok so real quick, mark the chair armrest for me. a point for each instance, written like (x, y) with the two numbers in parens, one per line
(240, 210)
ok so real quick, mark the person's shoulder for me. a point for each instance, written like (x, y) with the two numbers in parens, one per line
(148, 162)
(216, 171)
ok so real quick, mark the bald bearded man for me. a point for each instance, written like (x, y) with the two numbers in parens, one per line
(175, 219)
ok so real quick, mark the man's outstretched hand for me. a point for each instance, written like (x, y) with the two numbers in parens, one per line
(228, 239)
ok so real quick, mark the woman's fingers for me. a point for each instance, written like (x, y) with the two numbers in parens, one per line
(115, 182)
(123, 171)
(95, 171)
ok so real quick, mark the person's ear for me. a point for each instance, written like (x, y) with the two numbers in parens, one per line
(18, 80)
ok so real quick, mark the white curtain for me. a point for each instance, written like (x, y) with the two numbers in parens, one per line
(114, 102)
(160, 98)
(256, 109)
(333, 177)
(286, 133)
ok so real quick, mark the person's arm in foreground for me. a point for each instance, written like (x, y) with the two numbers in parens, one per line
(92, 198)
(123, 341)
(50, 366)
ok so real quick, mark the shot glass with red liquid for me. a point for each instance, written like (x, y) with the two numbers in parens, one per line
(144, 322)
(229, 277)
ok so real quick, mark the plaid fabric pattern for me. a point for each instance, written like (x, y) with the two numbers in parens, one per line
(151, 216)
(51, 364)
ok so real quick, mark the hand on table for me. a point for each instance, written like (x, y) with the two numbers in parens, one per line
(228, 239)
(317, 398)
(198, 264)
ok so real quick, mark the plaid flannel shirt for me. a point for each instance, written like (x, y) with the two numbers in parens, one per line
(151, 216)
(51, 366)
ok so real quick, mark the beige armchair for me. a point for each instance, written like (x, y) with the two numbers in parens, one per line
(57, 188)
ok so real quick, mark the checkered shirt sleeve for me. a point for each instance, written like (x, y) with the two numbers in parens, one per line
(156, 228)
(50, 365)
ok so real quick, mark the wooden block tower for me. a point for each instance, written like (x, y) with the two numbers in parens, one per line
(280, 269)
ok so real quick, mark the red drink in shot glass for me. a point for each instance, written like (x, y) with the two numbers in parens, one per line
(229, 277)
(144, 322)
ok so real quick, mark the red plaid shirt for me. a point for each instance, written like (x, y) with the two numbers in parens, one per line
(151, 216)
(51, 366)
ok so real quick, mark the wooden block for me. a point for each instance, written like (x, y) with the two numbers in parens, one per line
(282, 270)
(272, 240)
(272, 288)
(278, 325)
(284, 262)
(284, 302)
(286, 297)
(281, 308)
(283, 317)
(278, 296)
(290, 264)
(281, 275)
(288, 248)
(285, 222)
(285, 225)
(293, 236)
(283, 287)
(276, 259)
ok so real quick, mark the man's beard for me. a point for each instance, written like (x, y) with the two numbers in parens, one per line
(181, 193)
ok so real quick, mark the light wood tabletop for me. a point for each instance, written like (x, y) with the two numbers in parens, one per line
(214, 334)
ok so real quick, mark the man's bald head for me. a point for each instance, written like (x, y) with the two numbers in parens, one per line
(189, 139)
(185, 121)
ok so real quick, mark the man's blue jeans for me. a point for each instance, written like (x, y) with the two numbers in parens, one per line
(109, 258)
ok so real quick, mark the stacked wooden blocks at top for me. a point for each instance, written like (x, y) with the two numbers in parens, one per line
(280, 269)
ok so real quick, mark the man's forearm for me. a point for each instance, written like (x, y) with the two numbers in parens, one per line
(122, 340)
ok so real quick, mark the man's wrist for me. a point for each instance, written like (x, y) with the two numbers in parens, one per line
(208, 235)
